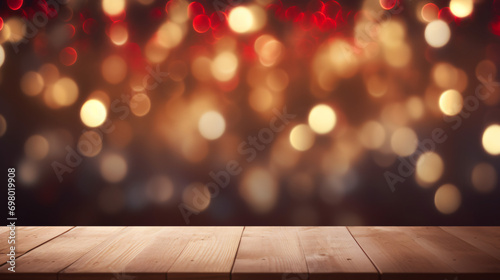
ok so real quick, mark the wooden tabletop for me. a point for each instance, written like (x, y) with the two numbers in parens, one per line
(284, 253)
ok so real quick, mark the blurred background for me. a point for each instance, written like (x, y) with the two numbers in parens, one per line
(155, 112)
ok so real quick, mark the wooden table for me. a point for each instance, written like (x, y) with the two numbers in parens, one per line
(357, 253)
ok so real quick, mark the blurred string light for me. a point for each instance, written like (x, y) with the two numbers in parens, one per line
(238, 49)
(90, 143)
(302, 137)
(68, 56)
(211, 125)
(447, 199)
(404, 141)
(118, 33)
(114, 69)
(93, 113)
(451, 102)
(461, 8)
(491, 138)
(437, 33)
(160, 189)
(429, 12)
(36, 147)
(372, 135)
(429, 168)
(113, 168)
(64, 92)
(2, 56)
(140, 104)
(322, 119)
(484, 177)
(241, 20)
(259, 189)
(15, 4)
(113, 7)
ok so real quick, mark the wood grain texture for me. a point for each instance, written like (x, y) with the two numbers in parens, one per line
(47, 260)
(464, 258)
(111, 258)
(398, 256)
(209, 254)
(407, 252)
(270, 253)
(284, 253)
(332, 253)
(28, 238)
(487, 239)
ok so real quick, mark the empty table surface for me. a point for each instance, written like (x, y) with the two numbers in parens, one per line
(344, 253)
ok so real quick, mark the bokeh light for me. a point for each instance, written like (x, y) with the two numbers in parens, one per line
(64, 92)
(2, 56)
(211, 125)
(259, 189)
(241, 20)
(118, 33)
(224, 66)
(140, 104)
(437, 33)
(114, 69)
(193, 86)
(260, 99)
(15, 4)
(32, 83)
(372, 135)
(388, 4)
(113, 168)
(36, 147)
(491, 142)
(404, 141)
(160, 189)
(301, 137)
(93, 113)
(451, 102)
(484, 177)
(429, 168)
(113, 7)
(430, 12)
(447, 199)
(90, 143)
(322, 119)
(461, 8)
(197, 197)
(68, 56)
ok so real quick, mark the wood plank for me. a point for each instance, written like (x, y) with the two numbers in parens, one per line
(4, 229)
(332, 253)
(45, 261)
(270, 253)
(398, 256)
(158, 257)
(458, 254)
(112, 257)
(28, 238)
(413, 252)
(209, 254)
(486, 239)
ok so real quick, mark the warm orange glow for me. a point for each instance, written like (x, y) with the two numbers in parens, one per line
(93, 113)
